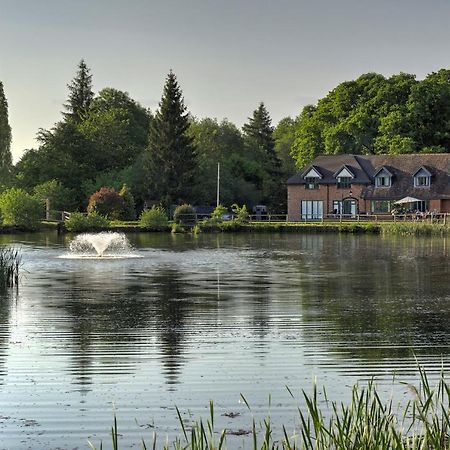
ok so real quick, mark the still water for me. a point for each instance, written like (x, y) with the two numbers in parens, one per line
(210, 317)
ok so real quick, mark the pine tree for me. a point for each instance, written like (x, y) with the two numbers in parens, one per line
(5, 134)
(260, 146)
(258, 134)
(170, 156)
(80, 94)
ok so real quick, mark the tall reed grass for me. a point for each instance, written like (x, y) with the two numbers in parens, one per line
(415, 229)
(366, 422)
(10, 261)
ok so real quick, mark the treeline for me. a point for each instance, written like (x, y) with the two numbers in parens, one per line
(165, 157)
(374, 114)
(168, 157)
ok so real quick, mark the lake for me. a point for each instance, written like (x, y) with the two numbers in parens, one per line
(210, 317)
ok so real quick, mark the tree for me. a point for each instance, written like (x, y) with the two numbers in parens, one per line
(5, 135)
(284, 135)
(260, 146)
(117, 127)
(80, 94)
(170, 156)
(60, 198)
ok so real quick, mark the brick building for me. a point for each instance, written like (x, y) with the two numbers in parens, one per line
(360, 184)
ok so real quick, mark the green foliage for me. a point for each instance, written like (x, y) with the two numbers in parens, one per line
(240, 214)
(154, 218)
(170, 156)
(284, 136)
(359, 117)
(184, 214)
(217, 214)
(61, 198)
(177, 228)
(260, 146)
(128, 212)
(106, 202)
(80, 94)
(79, 222)
(415, 229)
(117, 127)
(20, 208)
(5, 134)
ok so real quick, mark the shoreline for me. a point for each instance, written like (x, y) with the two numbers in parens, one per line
(390, 228)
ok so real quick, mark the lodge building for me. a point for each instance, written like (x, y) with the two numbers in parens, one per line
(369, 184)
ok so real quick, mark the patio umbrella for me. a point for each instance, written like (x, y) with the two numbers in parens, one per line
(405, 200)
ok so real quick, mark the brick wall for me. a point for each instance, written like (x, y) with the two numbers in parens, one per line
(326, 193)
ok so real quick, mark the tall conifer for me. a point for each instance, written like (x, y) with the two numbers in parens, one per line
(80, 94)
(5, 133)
(260, 146)
(170, 157)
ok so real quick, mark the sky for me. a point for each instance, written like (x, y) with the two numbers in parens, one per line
(228, 55)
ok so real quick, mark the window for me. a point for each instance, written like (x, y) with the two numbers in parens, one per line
(381, 206)
(312, 183)
(345, 207)
(344, 182)
(311, 209)
(421, 180)
(383, 181)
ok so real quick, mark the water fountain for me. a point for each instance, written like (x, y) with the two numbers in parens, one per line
(109, 245)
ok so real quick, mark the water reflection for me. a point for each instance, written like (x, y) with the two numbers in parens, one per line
(212, 316)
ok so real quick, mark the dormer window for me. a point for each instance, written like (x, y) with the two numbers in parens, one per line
(312, 183)
(312, 178)
(344, 177)
(383, 178)
(344, 182)
(422, 178)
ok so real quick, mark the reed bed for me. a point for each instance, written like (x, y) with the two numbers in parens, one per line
(415, 229)
(10, 262)
(365, 423)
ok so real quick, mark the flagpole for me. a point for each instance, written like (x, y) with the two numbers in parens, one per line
(218, 185)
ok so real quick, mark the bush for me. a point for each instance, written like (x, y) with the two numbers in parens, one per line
(20, 208)
(219, 211)
(240, 213)
(185, 215)
(107, 202)
(128, 212)
(154, 218)
(78, 222)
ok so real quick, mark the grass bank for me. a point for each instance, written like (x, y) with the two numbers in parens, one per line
(366, 422)
(385, 228)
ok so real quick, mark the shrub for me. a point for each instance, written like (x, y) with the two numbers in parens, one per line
(154, 218)
(78, 222)
(219, 211)
(20, 208)
(128, 212)
(185, 214)
(240, 213)
(106, 202)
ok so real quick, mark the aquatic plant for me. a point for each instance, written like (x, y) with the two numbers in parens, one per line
(415, 229)
(10, 261)
(365, 423)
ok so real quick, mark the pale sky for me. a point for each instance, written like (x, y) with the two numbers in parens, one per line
(228, 55)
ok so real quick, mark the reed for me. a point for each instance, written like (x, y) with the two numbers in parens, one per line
(366, 422)
(10, 262)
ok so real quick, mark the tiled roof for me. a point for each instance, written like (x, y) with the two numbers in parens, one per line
(402, 167)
